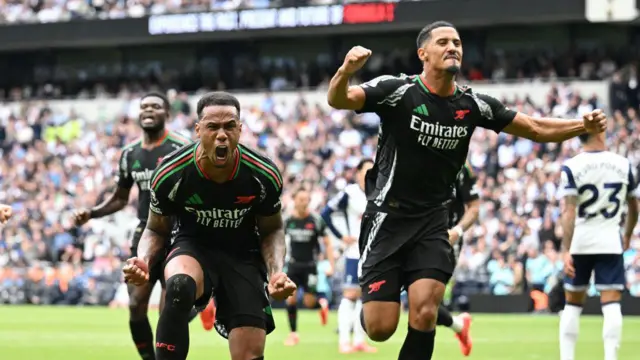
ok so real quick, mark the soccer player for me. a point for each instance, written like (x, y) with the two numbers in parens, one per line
(5, 213)
(463, 212)
(229, 239)
(305, 231)
(351, 202)
(426, 124)
(137, 163)
(595, 185)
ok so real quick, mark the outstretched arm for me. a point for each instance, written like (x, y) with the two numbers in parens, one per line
(544, 130)
(274, 247)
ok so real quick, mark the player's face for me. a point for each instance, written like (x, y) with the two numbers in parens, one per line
(219, 132)
(153, 113)
(301, 201)
(443, 51)
(360, 175)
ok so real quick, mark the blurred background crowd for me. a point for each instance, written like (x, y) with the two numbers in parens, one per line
(53, 161)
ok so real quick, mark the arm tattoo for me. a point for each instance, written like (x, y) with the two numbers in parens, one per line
(154, 237)
(273, 247)
(116, 202)
(568, 221)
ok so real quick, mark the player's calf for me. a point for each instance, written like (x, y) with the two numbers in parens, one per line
(139, 322)
(612, 324)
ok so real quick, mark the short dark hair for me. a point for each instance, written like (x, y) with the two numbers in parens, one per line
(584, 137)
(217, 98)
(298, 191)
(165, 101)
(362, 163)
(425, 33)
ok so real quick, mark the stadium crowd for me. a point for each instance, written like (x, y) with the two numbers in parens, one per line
(54, 162)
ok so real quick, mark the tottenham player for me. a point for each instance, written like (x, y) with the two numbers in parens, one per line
(5, 213)
(304, 232)
(138, 160)
(426, 125)
(229, 237)
(595, 186)
(351, 203)
(463, 212)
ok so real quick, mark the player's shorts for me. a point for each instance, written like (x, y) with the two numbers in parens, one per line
(608, 269)
(350, 279)
(238, 284)
(397, 251)
(305, 276)
(155, 273)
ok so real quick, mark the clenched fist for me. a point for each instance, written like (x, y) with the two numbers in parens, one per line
(136, 271)
(81, 216)
(355, 59)
(280, 286)
(595, 122)
(5, 213)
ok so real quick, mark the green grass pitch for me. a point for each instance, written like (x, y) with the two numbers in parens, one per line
(71, 333)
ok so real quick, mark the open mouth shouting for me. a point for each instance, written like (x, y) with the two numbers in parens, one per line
(221, 154)
(147, 120)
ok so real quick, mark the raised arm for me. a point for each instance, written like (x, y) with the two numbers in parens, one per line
(340, 94)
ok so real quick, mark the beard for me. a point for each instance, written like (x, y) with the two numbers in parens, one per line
(453, 69)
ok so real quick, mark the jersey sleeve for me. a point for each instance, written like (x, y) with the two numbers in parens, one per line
(338, 202)
(163, 188)
(125, 180)
(383, 92)
(568, 185)
(493, 114)
(271, 183)
(469, 188)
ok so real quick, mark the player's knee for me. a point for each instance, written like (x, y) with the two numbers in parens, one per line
(292, 300)
(138, 303)
(351, 294)
(380, 325)
(424, 316)
(309, 301)
(380, 330)
(180, 292)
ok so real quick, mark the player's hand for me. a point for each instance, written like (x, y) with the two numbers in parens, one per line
(280, 286)
(595, 122)
(348, 239)
(453, 237)
(81, 216)
(136, 271)
(568, 265)
(5, 213)
(355, 59)
(626, 243)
